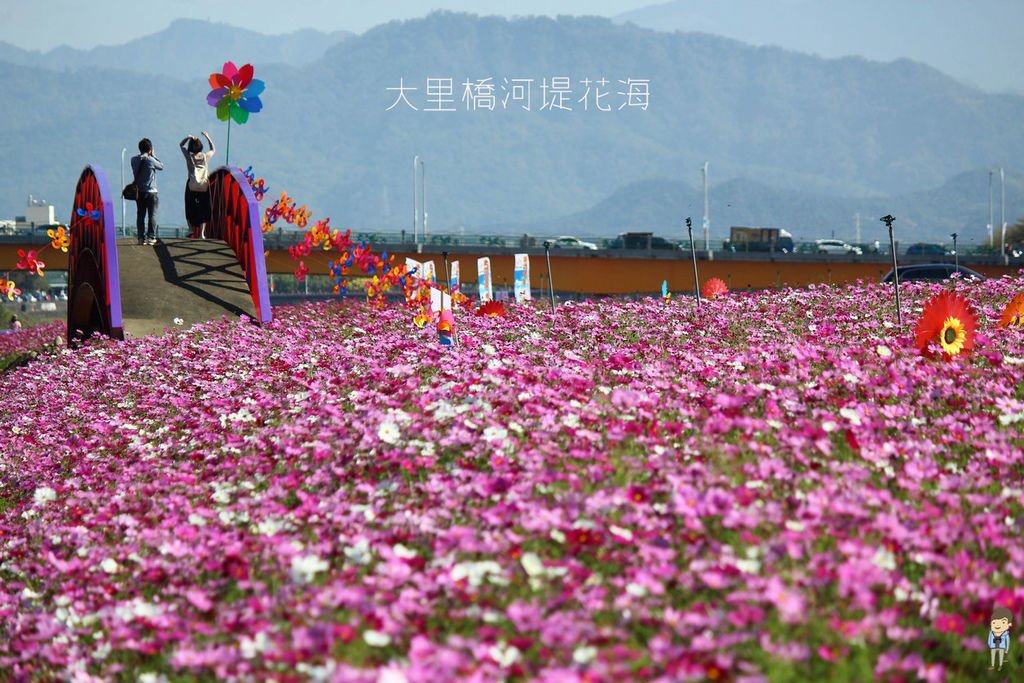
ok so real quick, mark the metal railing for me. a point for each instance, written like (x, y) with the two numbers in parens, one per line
(282, 238)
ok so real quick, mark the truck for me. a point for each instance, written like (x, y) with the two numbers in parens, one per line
(759, 239)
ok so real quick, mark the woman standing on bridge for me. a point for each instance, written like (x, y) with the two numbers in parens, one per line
(198, 208)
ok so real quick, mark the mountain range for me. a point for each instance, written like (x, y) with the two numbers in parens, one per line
(183, 49)
(793, 140)
(975, 42)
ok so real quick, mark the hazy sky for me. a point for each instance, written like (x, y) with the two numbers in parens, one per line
(976, 41)
(45, 24)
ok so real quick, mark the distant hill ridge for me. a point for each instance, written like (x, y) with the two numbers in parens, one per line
(183, 49)
(814, 139)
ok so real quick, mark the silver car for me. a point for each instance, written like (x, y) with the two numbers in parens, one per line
(570, 242)
(835, 247)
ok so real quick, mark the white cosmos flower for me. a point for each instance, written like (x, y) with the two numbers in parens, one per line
(43, 495)
(388, 432)
(376, 638)
(306, 567)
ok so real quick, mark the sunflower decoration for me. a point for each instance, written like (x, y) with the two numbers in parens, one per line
(949, 322)
(1013, 314)
(714, 288)
(493, 309)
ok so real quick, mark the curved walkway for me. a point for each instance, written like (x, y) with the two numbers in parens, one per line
(191, 280)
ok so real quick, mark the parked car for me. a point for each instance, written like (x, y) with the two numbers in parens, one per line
(835, 247)
(925, 249)
(570, 242)
(932, 272)
(641, 240)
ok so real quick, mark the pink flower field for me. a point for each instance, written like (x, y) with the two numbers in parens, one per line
(775, 487)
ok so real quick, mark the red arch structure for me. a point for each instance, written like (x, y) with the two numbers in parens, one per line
(94, 290)
(236, 220)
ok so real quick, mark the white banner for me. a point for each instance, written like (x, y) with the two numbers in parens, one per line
(521, 281)
(483, 279)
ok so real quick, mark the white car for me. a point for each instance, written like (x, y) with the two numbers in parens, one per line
(569, 242)
(835, 247)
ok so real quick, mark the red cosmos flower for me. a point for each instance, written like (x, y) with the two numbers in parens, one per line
(1013, 314)
(235, 566)
(950, 623)
(637, 494)
(495, 309)
(949, 321)
(301, 272)
(714, 288)
(29, 262)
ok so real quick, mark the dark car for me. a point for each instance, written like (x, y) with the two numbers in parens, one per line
(932, 272)
(925, 249)
(640, 240)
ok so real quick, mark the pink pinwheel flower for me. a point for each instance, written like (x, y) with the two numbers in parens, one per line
(30, 262)
(235, 93)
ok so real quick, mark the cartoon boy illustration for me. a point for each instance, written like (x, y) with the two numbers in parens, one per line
(999, 636)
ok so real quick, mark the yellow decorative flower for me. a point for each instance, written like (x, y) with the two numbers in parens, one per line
(59, 238)
(952, 336)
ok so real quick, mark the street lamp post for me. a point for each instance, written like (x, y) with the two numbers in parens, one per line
(991, 217)
(888, 220)
(415, 168)
(1002, 211)
(693, 255)
(124, 228)
(956, 254)
(423, 196)
(707, 219)
(551, 285)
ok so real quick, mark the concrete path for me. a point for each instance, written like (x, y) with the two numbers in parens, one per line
(194, 280)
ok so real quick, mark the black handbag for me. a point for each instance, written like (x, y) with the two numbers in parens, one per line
(130, 192)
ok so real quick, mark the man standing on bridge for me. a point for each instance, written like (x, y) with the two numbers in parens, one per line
(144, 166)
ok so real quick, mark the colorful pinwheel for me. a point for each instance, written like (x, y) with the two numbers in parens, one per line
(258, 185)
(947, 320)
(445, 327)
(90, 213)
(235, 94)
(665, 294)
(8, 289)
(59, 238)
(30, 262)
